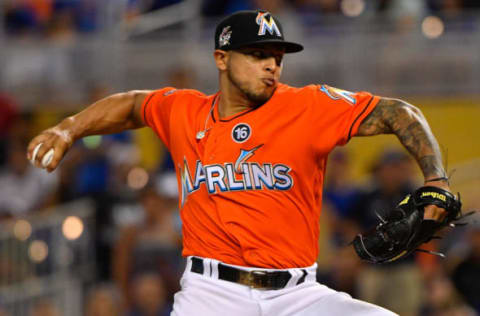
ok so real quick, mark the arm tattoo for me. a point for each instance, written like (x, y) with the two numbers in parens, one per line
(407, 122)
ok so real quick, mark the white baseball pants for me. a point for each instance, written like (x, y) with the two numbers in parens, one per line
(206, 295)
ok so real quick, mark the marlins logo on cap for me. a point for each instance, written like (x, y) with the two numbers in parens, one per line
(245, 28)
(267, 23)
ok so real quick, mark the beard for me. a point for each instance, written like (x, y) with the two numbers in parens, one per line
(257, 99)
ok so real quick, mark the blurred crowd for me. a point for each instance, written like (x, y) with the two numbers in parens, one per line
(137, 235)
(66, 18)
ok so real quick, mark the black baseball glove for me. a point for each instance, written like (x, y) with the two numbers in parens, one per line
(402, 230)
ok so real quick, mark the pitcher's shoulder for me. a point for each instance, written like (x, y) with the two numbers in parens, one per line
(192, 93)
(290, 91)
(189, 97)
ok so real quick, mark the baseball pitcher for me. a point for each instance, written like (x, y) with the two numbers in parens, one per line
(250, 164)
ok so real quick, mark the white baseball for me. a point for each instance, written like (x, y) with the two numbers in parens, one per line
(47, 158)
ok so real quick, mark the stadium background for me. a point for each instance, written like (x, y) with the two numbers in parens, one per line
(101, 235)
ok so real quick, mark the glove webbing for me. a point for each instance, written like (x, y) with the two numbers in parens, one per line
(404, 229)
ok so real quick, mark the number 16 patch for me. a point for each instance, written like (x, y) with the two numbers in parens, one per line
(241, 132)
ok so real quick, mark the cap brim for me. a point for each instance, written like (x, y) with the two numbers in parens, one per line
(290, 47)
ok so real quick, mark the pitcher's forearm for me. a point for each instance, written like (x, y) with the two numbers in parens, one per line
(112, 114)
(414, 133)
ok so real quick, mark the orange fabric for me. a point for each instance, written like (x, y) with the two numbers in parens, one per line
(254, 201)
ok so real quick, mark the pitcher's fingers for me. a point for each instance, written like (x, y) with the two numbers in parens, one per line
(46, 146)
(30, 148)
(58, 153)
(33, 144)
(434, 212)
(33, 155)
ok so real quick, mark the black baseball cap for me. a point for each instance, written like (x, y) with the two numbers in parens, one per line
(251, 27)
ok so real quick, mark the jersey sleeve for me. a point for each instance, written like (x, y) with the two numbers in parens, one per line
(341, 112)
(156, 110)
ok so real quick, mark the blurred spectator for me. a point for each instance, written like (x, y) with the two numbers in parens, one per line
(123, 156)
(343, 272)
(181, 77)
(44, 308)
(273, 6)
(459, 15)
(159, 4)
(20, 18)
(24, 187)
(153, 245)
(224, 7)
(406, 13)
(443, 300)
(149, 296)
(103, 300)
(61, 26)
(8, 114)
(471, 4)
(406, 10)
(3, 312)
(321, 6)
(137, 7)
(47, 17)
(451, 7)
(339, 196)
(393, 179)
(466, 276)
(97, 91)
(340, 190)
(85, 170)
(86, 16)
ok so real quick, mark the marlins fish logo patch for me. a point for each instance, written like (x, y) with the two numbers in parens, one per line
(338, 94)
(267, 23)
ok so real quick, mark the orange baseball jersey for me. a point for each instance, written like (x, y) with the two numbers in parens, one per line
(251, 184)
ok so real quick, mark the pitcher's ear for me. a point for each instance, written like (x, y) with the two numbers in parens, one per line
(221, 58)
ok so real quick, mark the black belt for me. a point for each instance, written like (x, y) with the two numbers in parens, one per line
(258, 279)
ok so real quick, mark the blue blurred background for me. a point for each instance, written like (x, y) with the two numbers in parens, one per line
(102, 235)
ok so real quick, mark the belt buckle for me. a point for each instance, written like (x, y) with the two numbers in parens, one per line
(259, 280)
